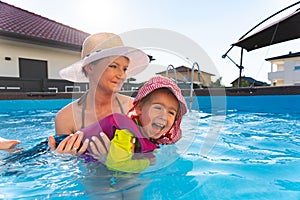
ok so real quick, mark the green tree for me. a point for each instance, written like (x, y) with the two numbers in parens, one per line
(217, 83)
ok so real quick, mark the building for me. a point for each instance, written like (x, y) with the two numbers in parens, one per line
(33, 49)
(184, 74)
(285, 70)
(248, 82)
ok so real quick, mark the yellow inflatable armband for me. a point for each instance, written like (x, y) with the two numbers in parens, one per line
(120, 154)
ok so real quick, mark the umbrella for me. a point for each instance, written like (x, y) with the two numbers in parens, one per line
(285, 29)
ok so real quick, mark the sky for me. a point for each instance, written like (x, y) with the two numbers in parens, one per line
(212, 25)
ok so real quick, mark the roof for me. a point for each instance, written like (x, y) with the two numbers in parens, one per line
(250, 80)
(290, 55)
(182, 69)
(27, 26)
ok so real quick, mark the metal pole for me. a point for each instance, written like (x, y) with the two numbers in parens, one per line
(241, 68)
(174, 71)
(191, 99)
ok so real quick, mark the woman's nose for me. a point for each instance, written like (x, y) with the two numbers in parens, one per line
(121, 73)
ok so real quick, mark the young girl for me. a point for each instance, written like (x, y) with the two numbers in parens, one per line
(154, 119)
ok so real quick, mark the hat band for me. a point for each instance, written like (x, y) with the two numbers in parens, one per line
(91, 57)
(92, 53)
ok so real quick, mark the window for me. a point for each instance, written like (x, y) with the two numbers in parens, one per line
(296, 68)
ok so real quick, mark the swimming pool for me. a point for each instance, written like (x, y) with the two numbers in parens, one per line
(250, 150)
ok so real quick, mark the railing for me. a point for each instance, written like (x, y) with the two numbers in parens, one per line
(15, 84)
(72, 88)
(174, 71)
(190, 99)
(55, 89)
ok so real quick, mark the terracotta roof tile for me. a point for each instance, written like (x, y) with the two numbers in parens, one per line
(18, 21)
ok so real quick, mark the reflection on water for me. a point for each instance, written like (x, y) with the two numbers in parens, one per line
(251, 157)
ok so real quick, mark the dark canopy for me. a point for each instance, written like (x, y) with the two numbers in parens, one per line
(287, 28)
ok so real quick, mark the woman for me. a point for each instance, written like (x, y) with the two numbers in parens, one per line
(105, 63)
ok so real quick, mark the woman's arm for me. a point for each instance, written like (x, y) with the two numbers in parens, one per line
(8, 144)
(65, 125)
(65, 121)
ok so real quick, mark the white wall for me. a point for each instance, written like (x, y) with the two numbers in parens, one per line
(56, 58)
(291, 76)
(285, 73)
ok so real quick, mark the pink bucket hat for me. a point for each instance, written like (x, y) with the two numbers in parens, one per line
(162, 82)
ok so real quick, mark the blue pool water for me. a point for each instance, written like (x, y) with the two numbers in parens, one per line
(232, 148)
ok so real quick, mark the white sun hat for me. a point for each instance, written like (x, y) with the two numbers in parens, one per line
(102, 45)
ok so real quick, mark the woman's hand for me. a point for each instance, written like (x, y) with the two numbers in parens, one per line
(100, 148)
(8, 144)
(71, 144)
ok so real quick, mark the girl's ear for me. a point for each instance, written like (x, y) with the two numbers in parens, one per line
(138, 108)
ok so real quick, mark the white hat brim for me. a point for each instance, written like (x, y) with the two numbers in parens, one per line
(138, 61)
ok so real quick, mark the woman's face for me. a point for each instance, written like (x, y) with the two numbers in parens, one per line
(157, 113)
(109, 73)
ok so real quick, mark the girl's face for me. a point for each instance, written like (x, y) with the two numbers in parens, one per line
(157, 113)
(109, 74)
